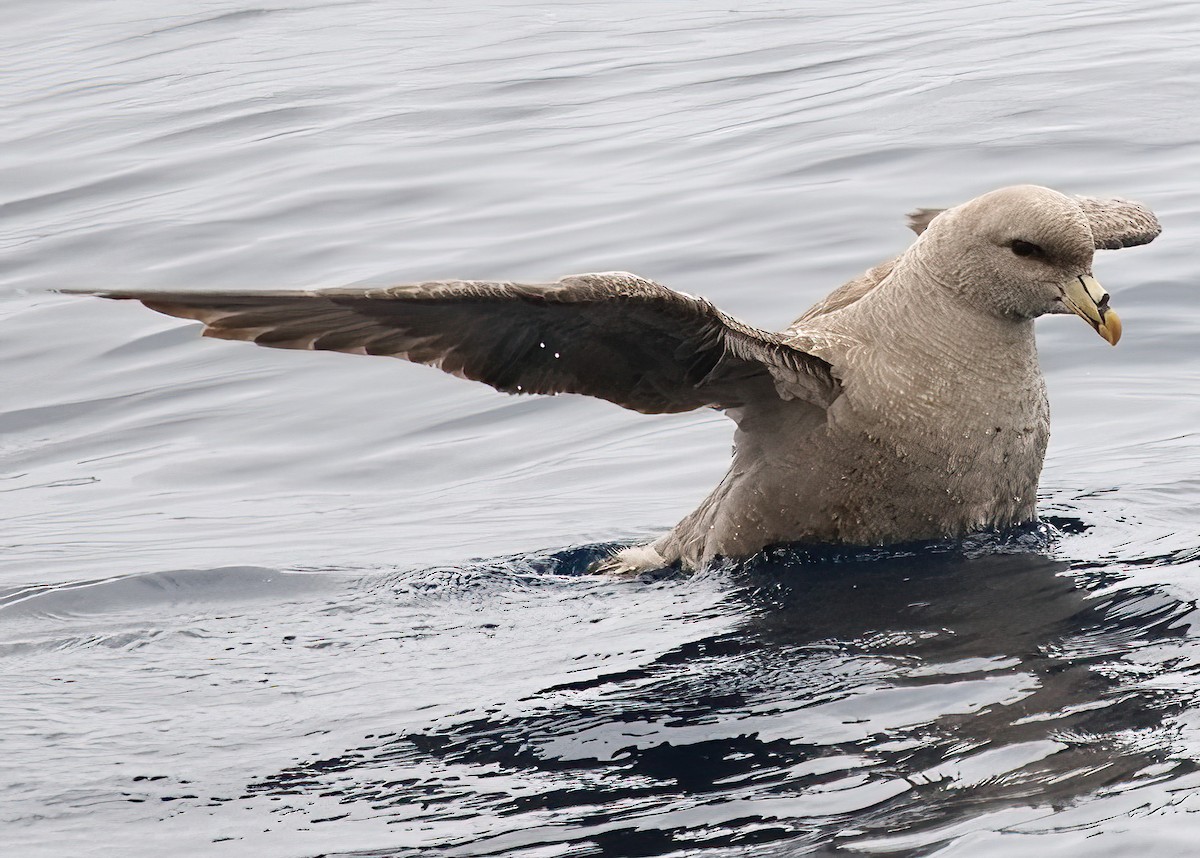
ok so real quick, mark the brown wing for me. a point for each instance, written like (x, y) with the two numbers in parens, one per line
(614, 336)
(851, 291)
(1115, 223)
(918, 219)
(1119, 223)
(847, 293)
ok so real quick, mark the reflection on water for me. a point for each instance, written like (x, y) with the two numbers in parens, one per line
(856, 697)
(241, 610)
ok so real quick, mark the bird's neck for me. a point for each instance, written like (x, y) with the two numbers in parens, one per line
(931, 353)
(935, 320)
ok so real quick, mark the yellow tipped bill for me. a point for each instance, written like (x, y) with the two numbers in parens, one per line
(1086, 298)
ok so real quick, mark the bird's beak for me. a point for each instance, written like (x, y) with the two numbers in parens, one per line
(1086, 298)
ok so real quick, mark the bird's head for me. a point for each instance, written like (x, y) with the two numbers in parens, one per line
(1025, 251)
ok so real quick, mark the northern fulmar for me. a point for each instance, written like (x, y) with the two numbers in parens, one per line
(908, 405)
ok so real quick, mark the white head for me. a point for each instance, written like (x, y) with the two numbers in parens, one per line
(1018, 253)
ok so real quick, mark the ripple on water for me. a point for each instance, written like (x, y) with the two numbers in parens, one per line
(237, 606)
(896, 692)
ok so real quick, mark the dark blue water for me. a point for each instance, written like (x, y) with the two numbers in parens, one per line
(265, 603)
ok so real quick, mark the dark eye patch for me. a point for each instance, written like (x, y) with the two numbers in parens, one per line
(1026, 248)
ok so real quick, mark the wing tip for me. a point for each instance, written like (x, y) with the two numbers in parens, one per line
(1118, 223)
(918, 220)
(112, 294)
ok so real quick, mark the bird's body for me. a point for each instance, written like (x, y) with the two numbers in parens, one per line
(883, 463)
(907, 405)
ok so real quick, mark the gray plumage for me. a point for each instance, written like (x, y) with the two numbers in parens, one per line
(906, 405)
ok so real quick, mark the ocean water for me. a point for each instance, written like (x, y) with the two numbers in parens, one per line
(295, 604)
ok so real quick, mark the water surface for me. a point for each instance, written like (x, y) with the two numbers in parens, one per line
(290, 604)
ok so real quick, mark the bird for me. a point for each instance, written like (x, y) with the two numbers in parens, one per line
(908, 405)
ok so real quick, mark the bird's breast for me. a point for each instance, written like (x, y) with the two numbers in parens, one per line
(932, 458)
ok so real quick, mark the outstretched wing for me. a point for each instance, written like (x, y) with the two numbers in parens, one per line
(614, 336)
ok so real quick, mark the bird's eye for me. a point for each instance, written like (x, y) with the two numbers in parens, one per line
(1026, 248)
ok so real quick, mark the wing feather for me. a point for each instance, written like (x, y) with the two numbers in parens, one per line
(1115, 223)
(1119, 223)
(615, 336)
